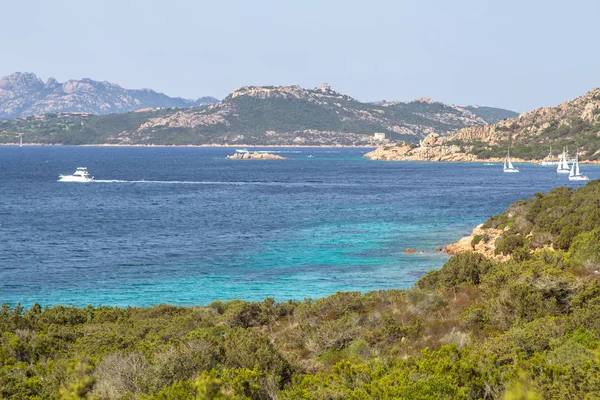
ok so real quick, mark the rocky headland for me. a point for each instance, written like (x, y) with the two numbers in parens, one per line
(481, 240)
(432, 148)
(574, 124)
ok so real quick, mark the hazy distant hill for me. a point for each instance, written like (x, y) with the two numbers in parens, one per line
(265, 115)
(574, 124)
(491, 115)
(24, 94)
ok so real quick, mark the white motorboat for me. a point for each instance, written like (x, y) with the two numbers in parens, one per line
(574, 174)
(508, 166)
(242, 151)
(563, 165)
(80, 175)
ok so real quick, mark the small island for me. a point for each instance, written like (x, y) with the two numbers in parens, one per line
(255, 156)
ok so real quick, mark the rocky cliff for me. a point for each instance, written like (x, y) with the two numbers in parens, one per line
(539, 123)
(482, 240)
(574, 124)
(24, 94)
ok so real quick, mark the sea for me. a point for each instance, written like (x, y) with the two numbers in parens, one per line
(186, 226)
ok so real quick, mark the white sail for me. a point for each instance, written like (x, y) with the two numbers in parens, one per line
(575, 174)
(508, 166)
(563, 165)
(572, 171)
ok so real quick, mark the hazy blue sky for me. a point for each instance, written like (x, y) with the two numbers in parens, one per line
(513, 54)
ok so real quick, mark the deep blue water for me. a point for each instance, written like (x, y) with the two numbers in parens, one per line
(186, 226)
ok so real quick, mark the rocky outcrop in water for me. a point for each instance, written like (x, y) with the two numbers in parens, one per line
(255, 156)
(432, 148)
(481, 240)
(24, 94)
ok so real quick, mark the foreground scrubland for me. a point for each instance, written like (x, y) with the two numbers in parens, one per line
(528, 327)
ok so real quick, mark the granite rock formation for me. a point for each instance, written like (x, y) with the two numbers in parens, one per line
(24, 94)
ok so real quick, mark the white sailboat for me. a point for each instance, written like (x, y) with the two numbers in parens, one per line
(563, 165)
(508, 166)
(21, 141)
(575, 174)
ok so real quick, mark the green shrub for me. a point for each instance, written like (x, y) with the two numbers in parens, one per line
(508, 245)
(566, 236)
(462, 269)
(478, 238)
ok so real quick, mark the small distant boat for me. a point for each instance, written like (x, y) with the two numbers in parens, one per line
(310, 156)
(242, 151)
(563, 165)
(80, 175)
(21, 141)
(508, 166)
(575, 174)
(488, 163)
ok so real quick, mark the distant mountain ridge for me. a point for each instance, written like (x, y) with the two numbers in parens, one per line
(260, 115)
(491, 115)
(24, 94)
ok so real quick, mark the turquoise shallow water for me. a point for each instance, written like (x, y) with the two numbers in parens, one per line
(186, 226)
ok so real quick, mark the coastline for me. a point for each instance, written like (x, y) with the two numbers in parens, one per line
(491, 160)
(279, 146)
(253, 146)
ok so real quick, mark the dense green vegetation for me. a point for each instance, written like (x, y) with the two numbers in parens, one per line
(74, 129)
(525, 328)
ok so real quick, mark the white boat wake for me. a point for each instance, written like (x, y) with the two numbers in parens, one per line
(226, 183)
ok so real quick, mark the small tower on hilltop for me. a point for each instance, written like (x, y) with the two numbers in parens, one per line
(324, 88)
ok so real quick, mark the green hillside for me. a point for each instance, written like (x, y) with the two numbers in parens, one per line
(574, 124)
(527, 327)
(73, 129)
(262, 115)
